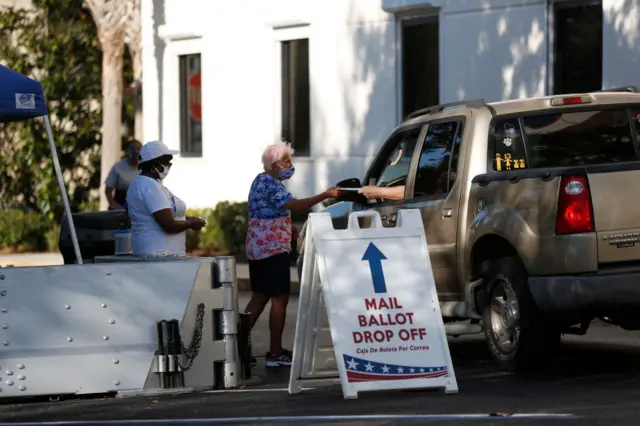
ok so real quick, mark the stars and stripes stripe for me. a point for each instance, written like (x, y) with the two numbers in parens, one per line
(362, 370)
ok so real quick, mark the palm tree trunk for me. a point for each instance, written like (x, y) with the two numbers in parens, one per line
(112, 87)
(137, 99)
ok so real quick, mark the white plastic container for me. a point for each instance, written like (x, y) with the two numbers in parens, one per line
(123, 245)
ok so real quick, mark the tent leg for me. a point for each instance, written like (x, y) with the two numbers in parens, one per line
(63, 190)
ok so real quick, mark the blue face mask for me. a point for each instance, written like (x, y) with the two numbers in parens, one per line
(286, 173)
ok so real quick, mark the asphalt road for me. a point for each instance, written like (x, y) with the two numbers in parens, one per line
(597, 380)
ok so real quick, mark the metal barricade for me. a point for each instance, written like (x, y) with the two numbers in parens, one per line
(208, 348)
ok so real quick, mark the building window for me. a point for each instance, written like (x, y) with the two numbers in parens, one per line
(296, 109)
(420, 64)
(578, 46)
(190, 106)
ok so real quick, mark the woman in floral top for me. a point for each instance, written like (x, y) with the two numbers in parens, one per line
(269, 243)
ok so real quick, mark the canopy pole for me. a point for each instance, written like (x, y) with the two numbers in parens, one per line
(63, 190)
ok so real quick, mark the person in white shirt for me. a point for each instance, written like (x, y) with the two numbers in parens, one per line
(158, 217)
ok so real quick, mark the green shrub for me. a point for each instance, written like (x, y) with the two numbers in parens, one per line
(225, 232)
(211, 238)
(52, 238)
(23, 231)
(194, 238)
(232, 221)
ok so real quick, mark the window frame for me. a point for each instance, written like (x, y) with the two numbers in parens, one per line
(169, 111)
(461, 119)
(383, 153)
(628, 107)
(281, 33)
(288, 114)
(183, 108)
(418, 16)
(552, 55)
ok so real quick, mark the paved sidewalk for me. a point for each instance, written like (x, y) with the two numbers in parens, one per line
(31, 259)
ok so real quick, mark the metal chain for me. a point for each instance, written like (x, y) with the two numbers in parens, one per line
(191, 352)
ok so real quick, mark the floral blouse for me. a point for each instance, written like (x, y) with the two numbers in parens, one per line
(269, 230)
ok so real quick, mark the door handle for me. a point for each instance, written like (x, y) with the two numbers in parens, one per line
(447, 212)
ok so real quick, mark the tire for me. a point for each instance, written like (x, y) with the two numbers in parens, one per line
(520, 337)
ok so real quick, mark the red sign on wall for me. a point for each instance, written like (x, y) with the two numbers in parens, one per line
(195, 105)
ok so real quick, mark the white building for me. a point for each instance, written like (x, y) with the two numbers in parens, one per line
(349, 70)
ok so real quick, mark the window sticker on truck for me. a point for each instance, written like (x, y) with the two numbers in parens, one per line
(506, 162)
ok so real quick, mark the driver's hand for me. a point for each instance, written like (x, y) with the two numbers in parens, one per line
(370, 191)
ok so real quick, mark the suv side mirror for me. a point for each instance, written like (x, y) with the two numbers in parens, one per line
(351, 196)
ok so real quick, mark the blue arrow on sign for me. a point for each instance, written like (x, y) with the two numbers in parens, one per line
(374, 256)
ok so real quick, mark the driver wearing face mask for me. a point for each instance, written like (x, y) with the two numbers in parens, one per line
(158, 217)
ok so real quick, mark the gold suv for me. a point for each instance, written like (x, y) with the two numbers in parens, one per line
(531, 212)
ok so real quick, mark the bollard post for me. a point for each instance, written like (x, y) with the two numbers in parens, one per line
(228, 328)
(177, 351)
(244, 334)
(171, 355)
(161, 358)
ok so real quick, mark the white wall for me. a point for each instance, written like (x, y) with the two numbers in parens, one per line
(501, 53)
(494, 49)
(352, 91)
(621, 43)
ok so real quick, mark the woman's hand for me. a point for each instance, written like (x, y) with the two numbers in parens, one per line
(332, 192)
(307, 203)
(196, 223)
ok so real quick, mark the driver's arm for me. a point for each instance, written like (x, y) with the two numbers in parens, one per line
(387, 193)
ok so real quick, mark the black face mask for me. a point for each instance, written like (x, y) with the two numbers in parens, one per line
(133, 155)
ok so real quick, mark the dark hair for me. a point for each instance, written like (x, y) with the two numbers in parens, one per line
(150, 165)
(131, 142)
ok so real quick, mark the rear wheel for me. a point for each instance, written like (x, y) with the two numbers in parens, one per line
(519, 336)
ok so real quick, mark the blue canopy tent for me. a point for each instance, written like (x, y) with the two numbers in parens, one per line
(22, 98)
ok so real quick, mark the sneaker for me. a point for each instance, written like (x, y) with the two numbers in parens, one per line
(282, 360)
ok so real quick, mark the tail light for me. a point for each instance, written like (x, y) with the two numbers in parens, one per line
(574, 206)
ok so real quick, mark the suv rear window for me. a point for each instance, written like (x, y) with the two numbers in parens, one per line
(564, 139)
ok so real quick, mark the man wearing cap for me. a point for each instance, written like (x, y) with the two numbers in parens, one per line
(158, 217)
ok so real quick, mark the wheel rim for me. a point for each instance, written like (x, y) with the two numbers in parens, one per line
(505, 314)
